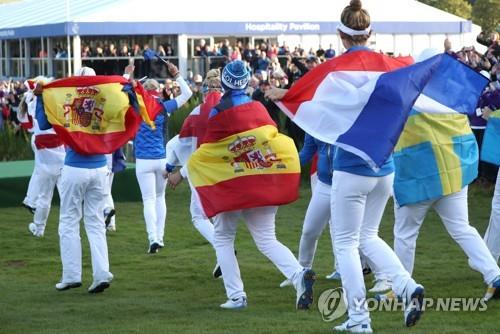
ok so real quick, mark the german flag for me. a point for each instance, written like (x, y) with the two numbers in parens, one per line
(97, 114)
(244, 162)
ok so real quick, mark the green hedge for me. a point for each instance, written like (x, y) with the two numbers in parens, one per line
(14, 144)
(175, 121)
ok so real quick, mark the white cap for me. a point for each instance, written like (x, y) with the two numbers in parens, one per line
(486, 74)
(85, 72)
(426, 54)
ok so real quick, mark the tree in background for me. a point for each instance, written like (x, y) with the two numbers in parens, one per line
(486, 13)
(460, 8)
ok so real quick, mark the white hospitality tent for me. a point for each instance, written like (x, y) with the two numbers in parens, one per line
(399, 26)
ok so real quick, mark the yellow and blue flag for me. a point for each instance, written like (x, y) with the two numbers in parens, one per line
(490, 150)
(435, 156)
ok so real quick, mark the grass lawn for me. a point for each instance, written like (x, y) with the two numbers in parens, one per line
(173, 291)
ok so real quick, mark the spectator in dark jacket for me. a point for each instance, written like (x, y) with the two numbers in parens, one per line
(271, 107)
(330, 53)
(263, 62)
(320, 52)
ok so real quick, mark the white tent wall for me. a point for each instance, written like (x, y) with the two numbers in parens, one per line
(384, 42)
(311, 42)
(290, 40)
(334, 40)
(402, 44)
(421, 42)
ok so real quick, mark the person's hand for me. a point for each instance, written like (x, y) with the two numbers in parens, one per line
(38, 89)
(129, 70)
(174, 179)
(486, 113)
(173, 70)
(275, 94)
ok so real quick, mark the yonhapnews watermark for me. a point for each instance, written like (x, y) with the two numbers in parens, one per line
(332, 304)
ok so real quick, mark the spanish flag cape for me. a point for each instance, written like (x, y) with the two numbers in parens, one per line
(97, 114)
(244, 162)
(435, 156)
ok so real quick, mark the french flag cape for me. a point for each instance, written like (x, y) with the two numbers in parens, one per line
(97, 114)
(361, 100)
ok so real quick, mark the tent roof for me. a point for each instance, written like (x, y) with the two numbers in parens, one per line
(35, 18)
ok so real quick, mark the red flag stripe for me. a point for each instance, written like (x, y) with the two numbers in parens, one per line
(195, 125)
(314, 164)
(153, 107)
(87, 81)
(244, 117)
(47, 141)
(279, 189)
(83, 142)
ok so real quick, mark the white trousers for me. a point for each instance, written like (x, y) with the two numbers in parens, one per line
(453, 211)
(202, 224)
(317, 217)
(149, 173)
(358, 204)
(32, 192)
(260, 223)
(109, 204)
(83, 187)
(48, 176)
(492, 236)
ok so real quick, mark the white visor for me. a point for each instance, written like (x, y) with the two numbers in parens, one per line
(352, 32)
(85, 72)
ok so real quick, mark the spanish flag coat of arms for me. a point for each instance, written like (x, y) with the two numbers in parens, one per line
(244, 162)
(97, 114)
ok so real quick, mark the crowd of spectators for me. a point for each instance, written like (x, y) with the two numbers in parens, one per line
(110, 50)
(270, 65)
(262, 57)
(143, 57)
(251, 54)
(487, 64)
(10, 97)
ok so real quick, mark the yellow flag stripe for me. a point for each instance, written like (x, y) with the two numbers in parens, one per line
(110, 98)
(143, 112)
(439, 130)
(214, 162)
(495, 114)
